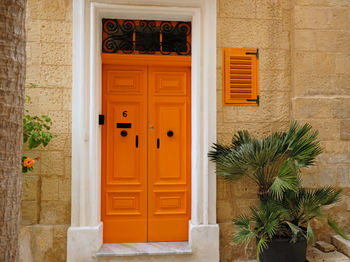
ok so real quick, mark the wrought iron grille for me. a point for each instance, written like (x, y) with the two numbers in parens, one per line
(146, 37)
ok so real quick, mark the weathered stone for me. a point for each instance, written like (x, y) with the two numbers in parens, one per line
(64, 189)
(305, 39)
(276, 80)
(58, 143)
(312, 108)
(55, 76)
(345, 130)
(67, 99)
(341, 244)
(25, 252)
(55, 212)
(343, 178)
(336, 146)
(224, 211)
(269, 9)
(342, 64)
(273, 59)
(329, 3)
(47, 10)
(274, 107)
(237, 8)
(308, 63)
(55, 32)
(30, 212)
(30, 186)
(324, 246)
(42, 241)
(52, 163)
(32, 31)
(56, 53)
(33, 53)
(315, 255)
(328, 128)
(339, 158)
(321, 18)
(310, 180)
(44, 99)
(49, 188)
(251, 33)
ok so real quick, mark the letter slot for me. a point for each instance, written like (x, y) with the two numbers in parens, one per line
(123, 125)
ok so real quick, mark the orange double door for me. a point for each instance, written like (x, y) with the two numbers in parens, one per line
(146, 148)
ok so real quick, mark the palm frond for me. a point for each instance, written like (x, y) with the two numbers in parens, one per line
(287, 179)
(244, 232)
(310, 233)
(295, 230)
(242, 137)
(262, 244)
(302, 144)
(327, 195)
(218, 151)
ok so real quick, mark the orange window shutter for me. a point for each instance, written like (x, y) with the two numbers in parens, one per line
(240, 76)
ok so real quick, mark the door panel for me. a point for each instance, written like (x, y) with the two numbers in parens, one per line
(124, 154)
(169, 153)
(146, 148)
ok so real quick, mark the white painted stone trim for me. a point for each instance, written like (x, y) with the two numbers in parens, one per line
(85, 233)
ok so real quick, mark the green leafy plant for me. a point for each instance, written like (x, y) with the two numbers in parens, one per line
(274, 164)
(36, 132)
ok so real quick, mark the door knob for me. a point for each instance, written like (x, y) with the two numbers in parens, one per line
(170, 133)
(123, 133)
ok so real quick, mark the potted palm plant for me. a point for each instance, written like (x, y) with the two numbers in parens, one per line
(281, 223)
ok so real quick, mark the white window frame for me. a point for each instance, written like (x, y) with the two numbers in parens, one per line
(85, 232)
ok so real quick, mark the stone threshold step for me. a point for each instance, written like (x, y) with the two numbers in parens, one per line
(142, 249)
(316, 255)
(341, 244)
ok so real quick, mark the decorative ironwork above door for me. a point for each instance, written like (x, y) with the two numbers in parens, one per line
(146, 37)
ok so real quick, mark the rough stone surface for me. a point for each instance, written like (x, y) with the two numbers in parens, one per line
(324, 246)
(303, 75)
(342, 244)
(315, 255)
(46, 190)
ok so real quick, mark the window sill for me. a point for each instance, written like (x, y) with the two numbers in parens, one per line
(144, 249)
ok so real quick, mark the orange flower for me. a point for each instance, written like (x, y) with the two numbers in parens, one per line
(37, 158)
(28, 162)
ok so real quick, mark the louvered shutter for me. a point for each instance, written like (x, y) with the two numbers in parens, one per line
(240, 76)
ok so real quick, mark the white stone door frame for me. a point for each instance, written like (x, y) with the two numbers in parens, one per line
(85, 232)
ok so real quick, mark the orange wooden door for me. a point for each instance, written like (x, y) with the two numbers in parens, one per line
(124, 153)
(169, 152)
(146, 177)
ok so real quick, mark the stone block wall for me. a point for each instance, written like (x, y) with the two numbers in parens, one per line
(320, 93)
(46, 190)
(263, 24)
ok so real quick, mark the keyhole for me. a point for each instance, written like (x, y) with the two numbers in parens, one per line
(123, 133)
(170, 133)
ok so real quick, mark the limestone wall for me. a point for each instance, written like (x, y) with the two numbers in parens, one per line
(304, 74)
(321, 89)
(263, 24)
(46, 190)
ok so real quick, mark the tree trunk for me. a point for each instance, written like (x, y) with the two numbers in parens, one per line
(12, 81)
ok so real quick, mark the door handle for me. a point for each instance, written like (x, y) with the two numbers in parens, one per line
(137, 141)
(158, 143)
